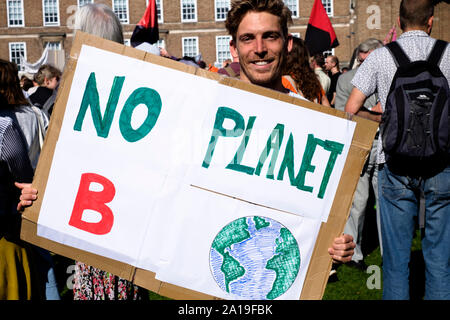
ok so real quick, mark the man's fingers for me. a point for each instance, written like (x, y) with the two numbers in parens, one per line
(345, 238)
(27, 196)
(21, 185)
(341, 255)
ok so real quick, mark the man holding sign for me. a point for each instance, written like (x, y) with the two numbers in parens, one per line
(260, 41)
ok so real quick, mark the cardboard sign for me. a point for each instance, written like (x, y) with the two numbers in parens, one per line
(190, 184)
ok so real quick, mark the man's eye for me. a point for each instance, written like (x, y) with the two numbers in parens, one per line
(272, 36)
(246, 38)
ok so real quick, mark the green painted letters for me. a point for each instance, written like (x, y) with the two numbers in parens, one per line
(91, 99)
(235, 164)
(149, 98)
(273, 144)
(288, 162)
(335, 148)
(219, 131)
(274, 141)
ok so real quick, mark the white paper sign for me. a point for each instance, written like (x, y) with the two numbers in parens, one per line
(149, 159)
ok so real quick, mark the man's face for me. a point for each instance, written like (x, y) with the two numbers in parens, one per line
(261, 49)
(329, 64)
(363, 56)
(52, 83)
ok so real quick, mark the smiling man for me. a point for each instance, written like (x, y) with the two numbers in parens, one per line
(260, 42)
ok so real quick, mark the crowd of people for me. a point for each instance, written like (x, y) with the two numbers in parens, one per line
(265, 54)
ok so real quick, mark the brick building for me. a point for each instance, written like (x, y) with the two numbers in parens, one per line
(190, 27)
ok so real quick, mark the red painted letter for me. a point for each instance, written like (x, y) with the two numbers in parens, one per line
(92, 200)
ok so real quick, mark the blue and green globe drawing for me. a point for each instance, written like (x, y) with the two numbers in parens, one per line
(255, 258)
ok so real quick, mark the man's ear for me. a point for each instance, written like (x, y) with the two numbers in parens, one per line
(233, 50)
(430, 25)
(290, 42)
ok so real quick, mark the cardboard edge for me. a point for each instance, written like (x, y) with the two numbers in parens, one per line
(29, 234)
(315, 282)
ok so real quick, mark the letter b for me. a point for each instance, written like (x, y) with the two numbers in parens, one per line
(93, 200)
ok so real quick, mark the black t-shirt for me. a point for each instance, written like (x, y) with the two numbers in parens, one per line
(334, 79)
(40, 96)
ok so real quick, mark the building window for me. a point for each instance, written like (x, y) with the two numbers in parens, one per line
(223, 48)
(190, 46)
(161, 43)
(188, 10)
(296, 34)
(222, 7)
(16, 50)
(159, 10)
(120, 8)
(328, 53)
(328, 5)
(15, 13)
(293, 6)
(83, 2)
(50, 9)
(53, 45)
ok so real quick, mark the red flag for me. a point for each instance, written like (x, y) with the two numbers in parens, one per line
(320, 35)
(147, 28)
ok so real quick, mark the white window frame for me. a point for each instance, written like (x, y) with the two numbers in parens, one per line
(227, 39)
(289, 4)
(329, 4)
(159, 6)
(183, 48)
(78, 3)
(10, 45)
(161, 43)
(195, 10)
(56, 44)
(23, 15)
(329, 52)
(216, 2)
(51, 24)
(127, 21)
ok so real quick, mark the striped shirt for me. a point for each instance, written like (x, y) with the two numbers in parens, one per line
(377, 72)
(13, 152)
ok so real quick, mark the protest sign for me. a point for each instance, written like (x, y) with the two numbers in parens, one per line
(190, 184)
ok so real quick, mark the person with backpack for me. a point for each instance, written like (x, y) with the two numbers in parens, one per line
(412, 78)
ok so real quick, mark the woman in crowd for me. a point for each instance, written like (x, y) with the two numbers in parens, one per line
(299, 77)
(17, 274)
(47, 78)
(32, 123)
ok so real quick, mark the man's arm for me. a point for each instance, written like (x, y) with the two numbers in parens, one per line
(354, 104)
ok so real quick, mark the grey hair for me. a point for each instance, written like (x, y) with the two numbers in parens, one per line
(99, 19)
(370, 44)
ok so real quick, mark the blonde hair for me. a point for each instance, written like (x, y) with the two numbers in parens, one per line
(48, 72)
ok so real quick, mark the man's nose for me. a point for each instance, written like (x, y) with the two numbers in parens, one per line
(261, 48)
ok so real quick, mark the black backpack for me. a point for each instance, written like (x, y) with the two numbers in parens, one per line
(414, 124)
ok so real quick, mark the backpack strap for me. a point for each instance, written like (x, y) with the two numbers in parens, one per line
(400, 57)
(437, 52)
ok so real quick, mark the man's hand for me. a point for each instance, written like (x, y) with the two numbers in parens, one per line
(28, 195)
(342, 249)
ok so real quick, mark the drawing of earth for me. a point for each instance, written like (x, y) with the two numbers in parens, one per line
(255, 258)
